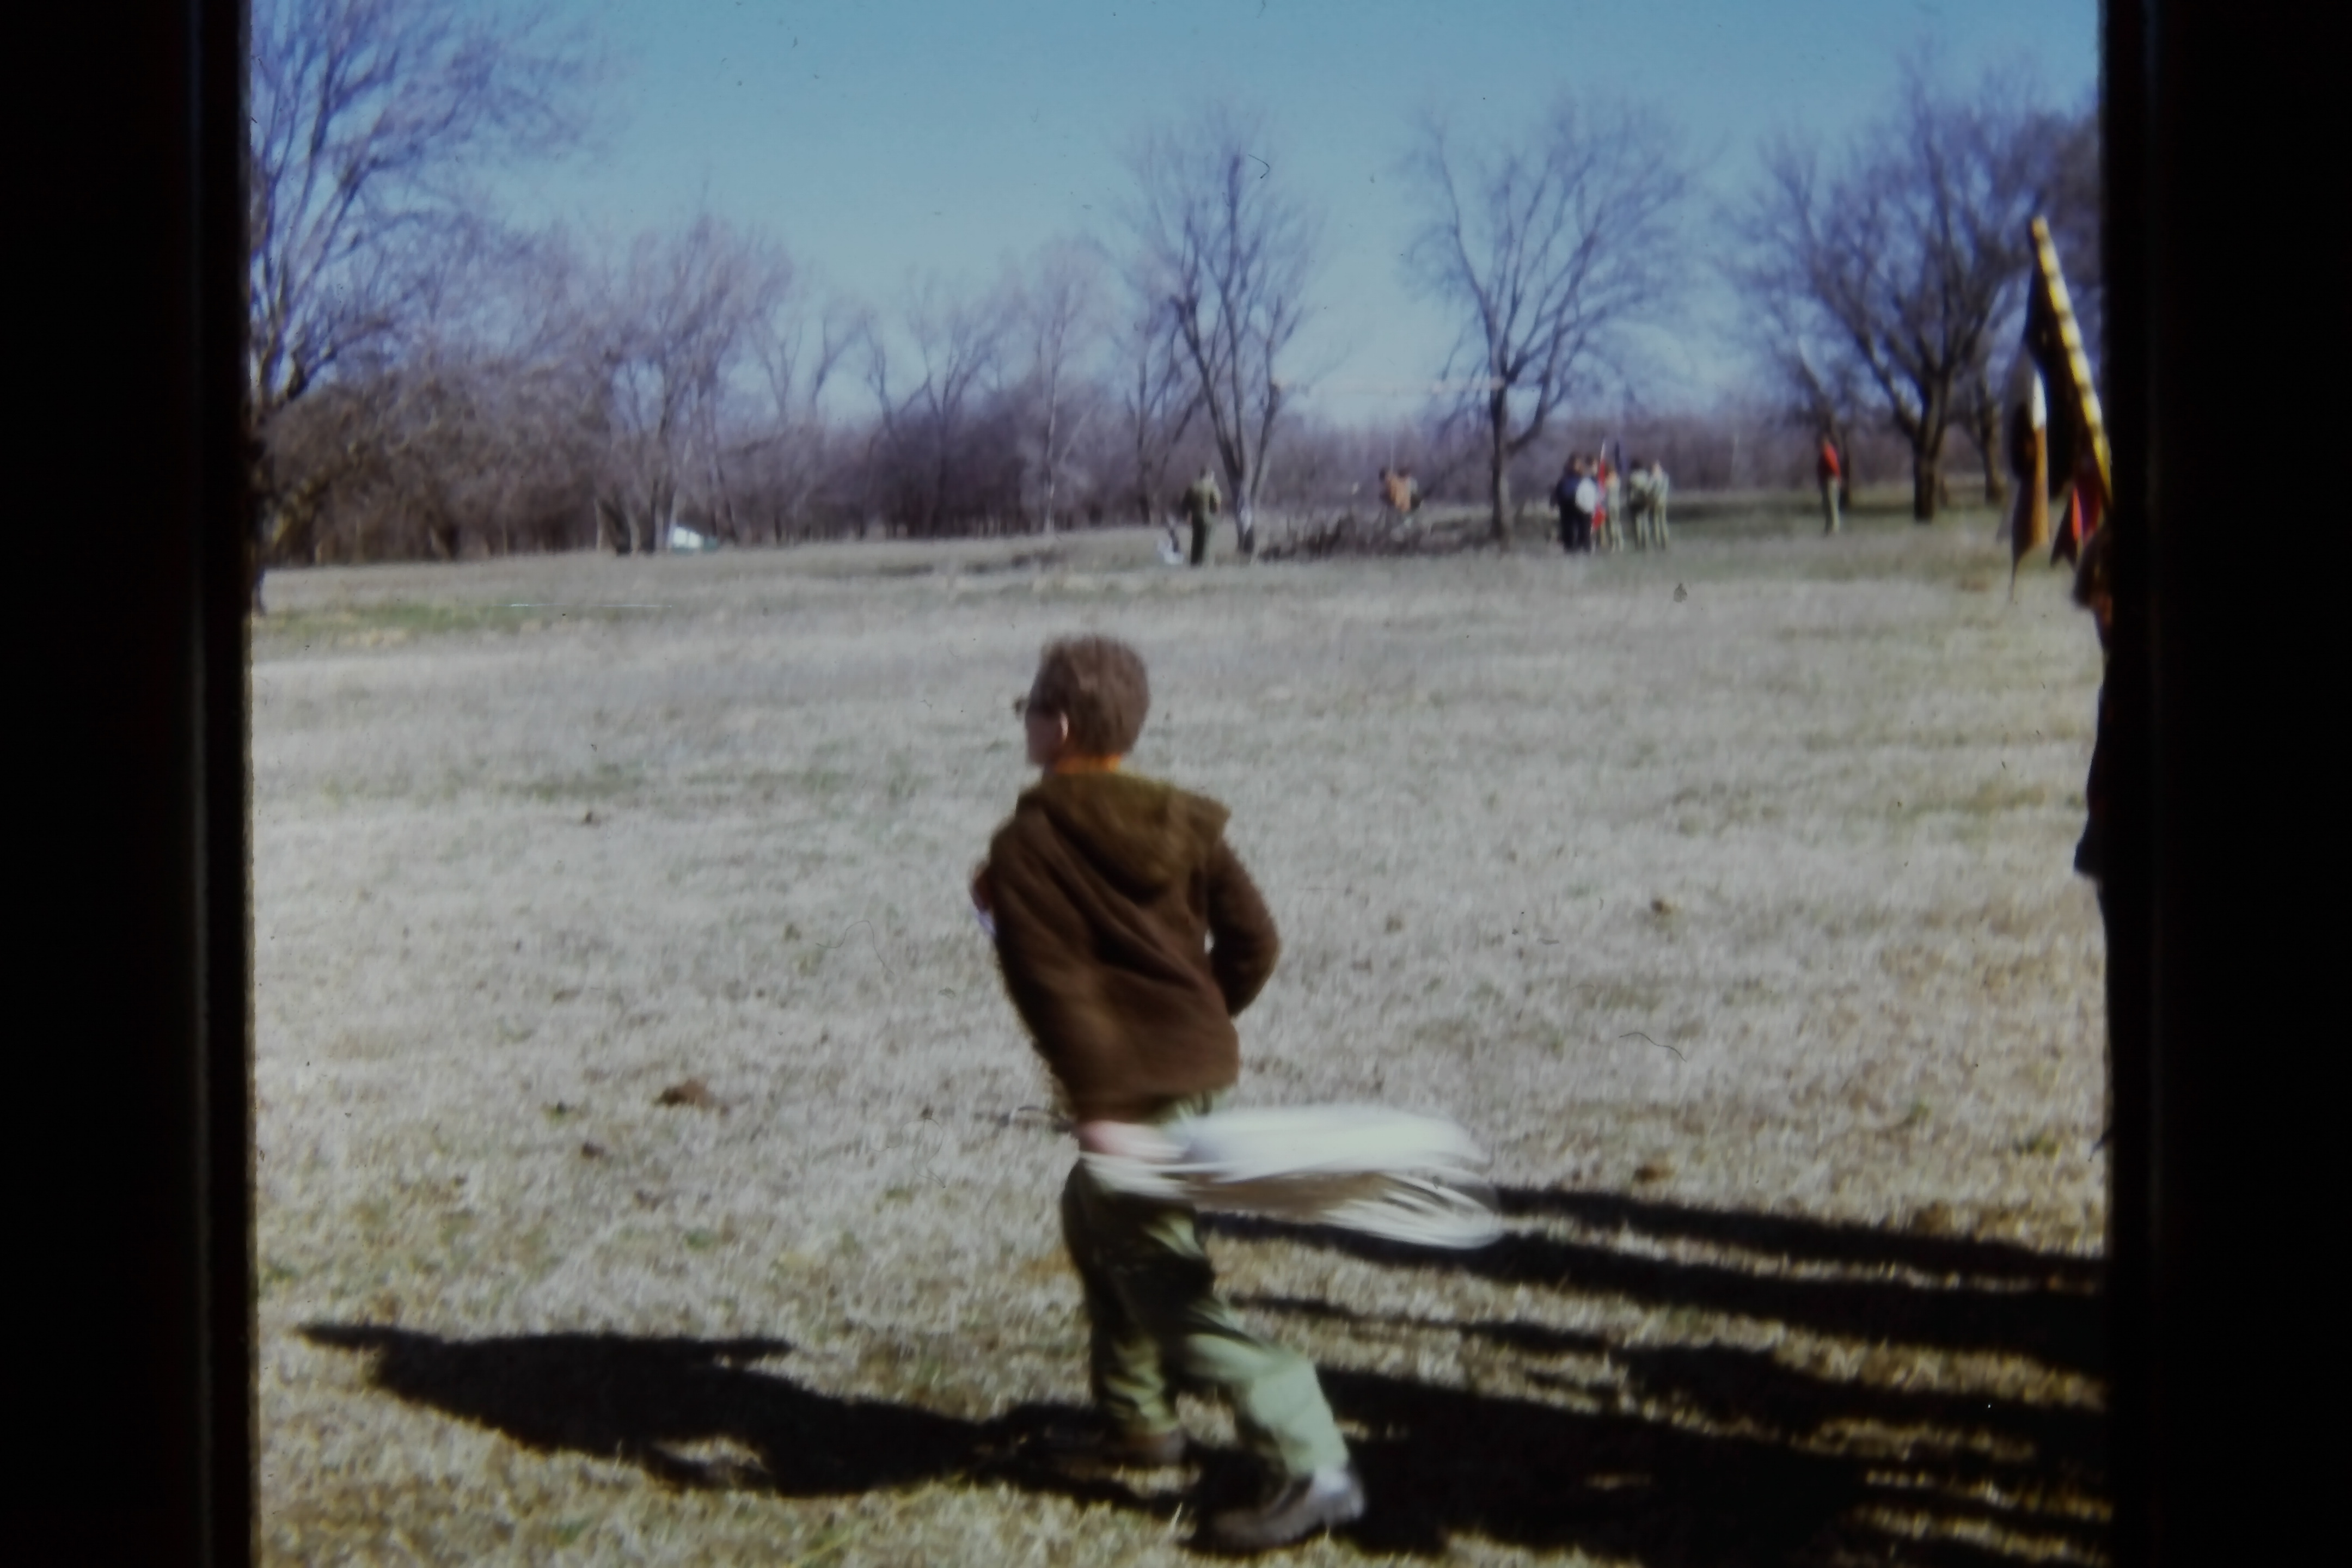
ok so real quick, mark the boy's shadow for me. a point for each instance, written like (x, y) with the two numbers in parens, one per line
(646, 1402)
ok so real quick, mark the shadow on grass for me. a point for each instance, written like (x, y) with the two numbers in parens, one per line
(646, 1401)
(1678, 1456)
(1857, 1283)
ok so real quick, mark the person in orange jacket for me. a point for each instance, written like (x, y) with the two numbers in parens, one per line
(1830, 473)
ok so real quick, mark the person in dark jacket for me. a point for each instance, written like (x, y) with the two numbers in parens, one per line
(1202, 501)
(2092, 592)
(1128, 935)
(1577, 497)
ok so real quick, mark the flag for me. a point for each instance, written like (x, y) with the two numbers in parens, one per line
(1367, 1168)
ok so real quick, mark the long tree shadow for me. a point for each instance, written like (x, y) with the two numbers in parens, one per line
(1939, 1293)
(1824, 1241)
(1740, 1389)
(1731, 1457)
(1664, 1454)
(1444, 1461)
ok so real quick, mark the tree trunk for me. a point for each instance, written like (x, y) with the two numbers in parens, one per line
(1499, 471)
(1988, 438)
(1926, 477)
(1045, 515)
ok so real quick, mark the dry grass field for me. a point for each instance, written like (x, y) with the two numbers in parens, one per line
(650, 1168)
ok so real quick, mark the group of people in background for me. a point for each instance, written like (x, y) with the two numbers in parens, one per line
(1597, 504)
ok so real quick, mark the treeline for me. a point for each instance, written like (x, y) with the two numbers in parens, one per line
(426, 382)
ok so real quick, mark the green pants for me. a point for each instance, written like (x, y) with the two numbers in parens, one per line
(1154, 1311)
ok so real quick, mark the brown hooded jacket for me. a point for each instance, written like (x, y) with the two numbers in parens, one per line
(1106, 890)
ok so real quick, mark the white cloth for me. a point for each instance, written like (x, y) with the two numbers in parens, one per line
(1361, 1167)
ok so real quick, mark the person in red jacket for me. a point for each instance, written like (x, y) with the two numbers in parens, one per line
(1604, 516)
(1830, 473)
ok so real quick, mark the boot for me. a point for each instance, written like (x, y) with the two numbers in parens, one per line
(1302, 1506)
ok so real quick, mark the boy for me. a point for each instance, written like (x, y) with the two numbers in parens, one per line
(1128, 936)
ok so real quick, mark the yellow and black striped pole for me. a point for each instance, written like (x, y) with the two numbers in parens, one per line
(2055, 340)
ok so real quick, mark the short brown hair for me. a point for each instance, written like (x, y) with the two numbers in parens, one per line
(1097, 683)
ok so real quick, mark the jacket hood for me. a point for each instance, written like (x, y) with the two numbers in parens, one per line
(1139, 832)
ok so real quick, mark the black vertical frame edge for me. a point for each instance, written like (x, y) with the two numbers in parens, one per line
(2231, 1365)
(130, 1146)
(2124, 896)
(219, 34)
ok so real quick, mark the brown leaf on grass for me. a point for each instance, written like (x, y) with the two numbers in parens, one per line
(693, 1091)
(1653, 1171)
(591, 1149)
(1662, 907)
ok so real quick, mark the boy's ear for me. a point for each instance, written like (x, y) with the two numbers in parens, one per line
(1062, 722)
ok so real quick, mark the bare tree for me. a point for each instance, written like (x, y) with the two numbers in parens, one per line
(1812, 384)
(1909, 258)
(674, 330)
(958, 349)
(366, 117)
(1060, 308)
(481, 423)
(798, 353)
(1230, 251)
(1551, 246)
(1159, 396)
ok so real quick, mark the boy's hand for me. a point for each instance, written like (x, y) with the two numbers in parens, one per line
(1126, 1140)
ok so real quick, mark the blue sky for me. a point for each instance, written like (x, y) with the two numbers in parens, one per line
(877, 139)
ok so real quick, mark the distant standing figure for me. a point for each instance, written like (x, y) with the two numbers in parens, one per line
(1829, 472)
(1563, 500)
(1645, 504)
(1579, 498)
(1398, 492)
(1201, 503)
(1612, 502)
